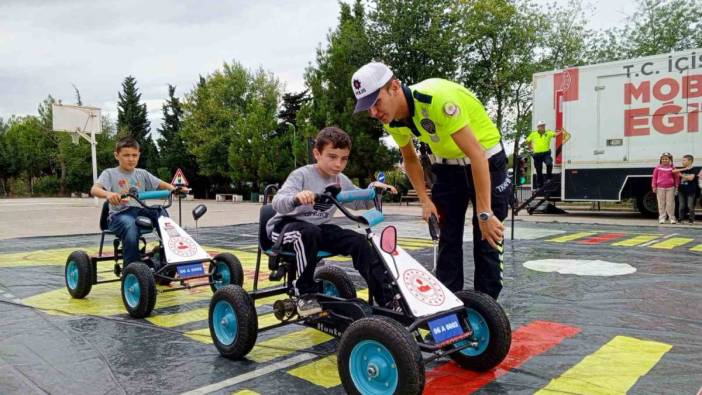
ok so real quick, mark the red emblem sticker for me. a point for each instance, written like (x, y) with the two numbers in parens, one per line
(423, 287)
(182, 246)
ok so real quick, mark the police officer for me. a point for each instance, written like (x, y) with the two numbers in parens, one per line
(468, 162)
(539, 142)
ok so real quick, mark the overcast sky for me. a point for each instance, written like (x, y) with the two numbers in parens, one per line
(46, 46)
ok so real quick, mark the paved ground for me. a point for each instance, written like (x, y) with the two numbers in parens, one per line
(577, 328)
(62, 216)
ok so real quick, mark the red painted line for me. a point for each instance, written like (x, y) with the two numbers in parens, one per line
(601, 238)
(528, 341)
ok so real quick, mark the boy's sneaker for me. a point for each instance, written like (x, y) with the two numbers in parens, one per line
(661, 221)
(308, 305)
(691, 222)
(673, 222)
(394, 305)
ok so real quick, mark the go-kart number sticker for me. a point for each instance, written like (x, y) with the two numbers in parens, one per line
(182, 246)
(423, 287)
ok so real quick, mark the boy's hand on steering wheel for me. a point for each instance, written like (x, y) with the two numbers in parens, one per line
(378, 184)
(115, 199)
(305, 197)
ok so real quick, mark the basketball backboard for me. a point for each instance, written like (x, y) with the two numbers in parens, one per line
(74, 119)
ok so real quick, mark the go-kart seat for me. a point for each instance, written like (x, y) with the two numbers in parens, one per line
(105, 230)
(266, 244)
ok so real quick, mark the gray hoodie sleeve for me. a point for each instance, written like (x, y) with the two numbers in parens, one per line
(347, 185)
(283, 201)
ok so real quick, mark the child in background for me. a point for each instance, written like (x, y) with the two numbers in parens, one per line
(664, 183)
(687, 191)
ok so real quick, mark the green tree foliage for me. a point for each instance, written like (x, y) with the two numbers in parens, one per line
(228, 121)
(173, 153)
(418, 39)
(348, 48)
(293, 144)
(28, 149)
(132, 120)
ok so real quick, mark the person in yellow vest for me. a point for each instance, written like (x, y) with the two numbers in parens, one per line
(468, 162)
(539, 142)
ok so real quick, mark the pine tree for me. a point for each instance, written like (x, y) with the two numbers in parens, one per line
(132, 121)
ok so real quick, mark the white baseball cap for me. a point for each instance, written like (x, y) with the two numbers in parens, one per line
(541, 123)
(366, 83)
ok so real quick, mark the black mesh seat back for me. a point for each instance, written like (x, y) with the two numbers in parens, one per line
(264, 215)
(104, 214)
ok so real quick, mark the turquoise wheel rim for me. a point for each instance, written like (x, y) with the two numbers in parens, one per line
(224, 322)
(481, 334)
(225, 276)
(373, 368)
(330, 289)
(72, 273)
(131, 290)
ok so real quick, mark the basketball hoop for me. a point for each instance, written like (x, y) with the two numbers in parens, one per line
(75, 138)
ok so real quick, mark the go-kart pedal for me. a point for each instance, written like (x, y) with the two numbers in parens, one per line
(307, 305)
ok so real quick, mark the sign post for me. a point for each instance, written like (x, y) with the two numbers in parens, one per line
(179, 180)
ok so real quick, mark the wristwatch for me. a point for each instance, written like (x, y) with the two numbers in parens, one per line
(484, 216)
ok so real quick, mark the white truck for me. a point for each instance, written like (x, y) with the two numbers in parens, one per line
(619, 117)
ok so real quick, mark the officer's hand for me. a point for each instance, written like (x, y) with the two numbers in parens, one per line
(492, 231)
(428, 208)
(305, 197)
(114, 198)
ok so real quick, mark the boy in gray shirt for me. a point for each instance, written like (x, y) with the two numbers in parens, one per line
(117, 181)
(306, 223)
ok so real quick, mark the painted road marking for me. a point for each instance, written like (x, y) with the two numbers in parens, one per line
(274, 347)
(528, 341)
(601, 238)
(257, 372)
(635, 241)
(322, 372)
(613, 369)
(571, 237)
(672, 243)
(698, 247)
(246, 392)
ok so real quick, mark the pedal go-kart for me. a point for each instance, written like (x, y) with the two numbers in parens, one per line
(381, 350)
(176, 258)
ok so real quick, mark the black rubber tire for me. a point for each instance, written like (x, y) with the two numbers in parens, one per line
(339, 278)
(247, 321)
(645, 203)
(395, 338)
(84, 276)
(499, 330)
(147, 289)
(156, 258)
(235, 269)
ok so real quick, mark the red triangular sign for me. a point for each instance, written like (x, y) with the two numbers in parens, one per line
(179, 178)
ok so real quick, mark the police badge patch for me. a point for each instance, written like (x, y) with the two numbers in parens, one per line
(451, 109)
(428, 125)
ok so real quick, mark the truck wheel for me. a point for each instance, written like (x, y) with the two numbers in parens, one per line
(335, 282)
(647, 204)
(233, 322)
(78, 274)
(491, 331)
(227, 271)
(138, 289)
(378, 356)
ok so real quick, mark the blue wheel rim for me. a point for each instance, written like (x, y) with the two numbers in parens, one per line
(224, 322)
(330, 289)
(373, 368)
(131, 290)
(222, 269)
(72, 273)
(481, 334)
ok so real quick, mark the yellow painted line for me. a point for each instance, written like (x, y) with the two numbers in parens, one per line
(322, 372)
(672, 243)
(287, 344)
(245, 392)
(571, 237)
(698, 247)
(177, 319)
(613, 369)
(635, 241)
